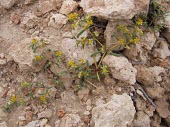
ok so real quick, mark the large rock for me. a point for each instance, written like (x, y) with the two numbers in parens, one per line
(142, 120)
(76, 53)
(3, 124)
(68, 6)
(121, 68)
(114, 9)
(163, 50)
(45, 114)
(57, 21)
(69, 120)
(149, 76)
(118, 112)
(24, 56)
(7, 3)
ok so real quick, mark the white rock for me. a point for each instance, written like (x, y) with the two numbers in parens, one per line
(33, 124)
(28, 20)
(76, 53)
(3, 124)
(118, 112)
(45, 114)
(148, 40)
(163, 50)
(121, 68)
(57, 20)
(68, 6)
(43, 122)
(29, 1)
(114, 9)
(69, 120)
(149, 76)
(142, 120)
(86, 113)
(7, 3)
(45, 7)
(22, 54)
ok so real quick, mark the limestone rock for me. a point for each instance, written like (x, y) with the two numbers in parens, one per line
(69, 120)
(148, 40)
(7, 3)
(149, 76)
(45, 7)
(76, 53)
(83, 94)
(162, 107)
(155, 92)
(68, 6)
(28, 21)
(112, 28)
(33, 124)
(114, 9)
(163, 50)
(3, 124)
(118, 112)
(121, 68)
(142, 120)
(21, 54)
(57, 21)
(29, 1)
(45, 114)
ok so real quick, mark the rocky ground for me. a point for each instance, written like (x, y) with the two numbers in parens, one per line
(136, 94)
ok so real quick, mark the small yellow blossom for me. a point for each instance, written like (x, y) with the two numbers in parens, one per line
(58, 53)
(139, 31)
(104, 70)
(43, 99)
(136, 40)
(80, 74)
(139, 21)
(121, 41)
(90, 41)
(13, 99)
(24, 84)
(73, 16)
(71, 63)
(34, 41)
(73, 25)
(82, 61)
(89, 22)
(96, 33)
(38, 57)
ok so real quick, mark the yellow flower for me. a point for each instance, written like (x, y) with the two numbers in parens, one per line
(80, 74)
(71, 63)
(34, 41)
(121, 41)
(90, 41)
(38, 57)
(139, 31)
(73, 16)
(24, 84)
(89, 22)
(96, 33)
(139, 21)
(136, 40)
(13, 99)
(43, 99)
(104, 70)
(73, 25)
(82, 61)
(58, 53)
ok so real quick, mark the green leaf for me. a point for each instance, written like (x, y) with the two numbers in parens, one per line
(95, 53)
(81, 32)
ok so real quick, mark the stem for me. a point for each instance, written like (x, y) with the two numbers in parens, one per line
(101, 59)
(96, 39)
(91, 83)
(111, 48)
